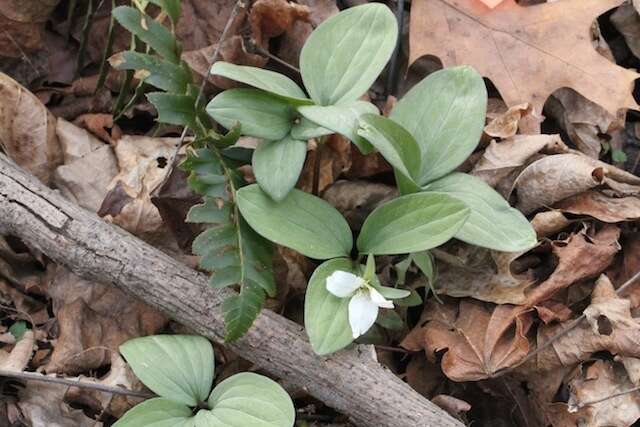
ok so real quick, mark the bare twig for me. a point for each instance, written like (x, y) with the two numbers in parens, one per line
(571, 326)
(33, 376)
(603, 399)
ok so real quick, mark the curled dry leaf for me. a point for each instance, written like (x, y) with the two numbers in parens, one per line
(554, 178)
(527, 52)
(488, 278)
(500, 159)
(609, 327)
(581, 257)
(454, 406)
(505, 125)
(20, 356)
(271, 18)
(477, 339)
(602, 207)
(143, 165)
(28, 130)
(594, 382)
(584, 121)
(549, 223)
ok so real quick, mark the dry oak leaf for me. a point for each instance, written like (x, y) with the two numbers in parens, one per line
(488, 279)
(594, 382)
(527, 52)
(602, 207)
(505, 125)
(581, 257)
(610, 327)
(477, 340)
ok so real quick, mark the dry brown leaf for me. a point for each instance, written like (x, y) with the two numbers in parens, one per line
(593, 382)
(28, 130)
(422, 375)
(23, 24)
(549, 223)
(42, 405)
(505, 125)
(602, 207)
(93, 320)
(581, 257)
(500, 159)
(271, 18)
(20, 356)
(627, 22)
(75, 141)
(609, 327)
(334, 161)
(98, 124)
(488, 278)
(476, 339)
(202, 22)
(143, 166)
(355, 200)
(584, 121)
(527, 52)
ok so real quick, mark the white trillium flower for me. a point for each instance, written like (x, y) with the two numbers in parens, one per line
(365, 299)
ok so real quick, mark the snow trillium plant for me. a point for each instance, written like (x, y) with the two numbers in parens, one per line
(364, 299)
(429, 133)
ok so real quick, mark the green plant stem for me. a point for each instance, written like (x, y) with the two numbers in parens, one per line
(102, 75)
(316, 166)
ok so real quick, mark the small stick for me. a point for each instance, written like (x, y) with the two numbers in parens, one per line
(602, 399)
(33, 376)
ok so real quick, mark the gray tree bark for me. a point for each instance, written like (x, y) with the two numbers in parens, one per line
(351, 381)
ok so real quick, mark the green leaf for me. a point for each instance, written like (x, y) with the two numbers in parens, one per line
(395, 144)
(229, 248)
(425, 262)
(392, 293)
(260, 114)
(345, 54)
(493, 223)
(305, 129)
(249, 399)
(342, 119)
(370, 269)
(241, 310)
(301, 221)
(268, 81)
(445, 113)
(176, 367)
(18, 329)
(326, 317)
(277, 165)
(171, 7)
(149, 31)
(412, 223)
(156, 412)
(174, 109)
(391, 320)
(157, 72)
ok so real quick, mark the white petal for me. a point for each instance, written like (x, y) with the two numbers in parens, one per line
(362, 313)
(343, 284)
(378, 299)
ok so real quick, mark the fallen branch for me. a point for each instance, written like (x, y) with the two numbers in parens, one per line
(350, 381)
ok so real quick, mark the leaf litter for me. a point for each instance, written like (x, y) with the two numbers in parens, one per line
(559, 142)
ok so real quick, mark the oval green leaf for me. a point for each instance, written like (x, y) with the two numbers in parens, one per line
(305, 129)
(342, 119)
(412, 223)
(493, 223)
(395, 143)
(301, 221)
(277, 165)
(326, 317)
(345, 54)
(157, 412)
(249, 399)
(445, 113)
(269, 81)
(176, 367)
(260, 114)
